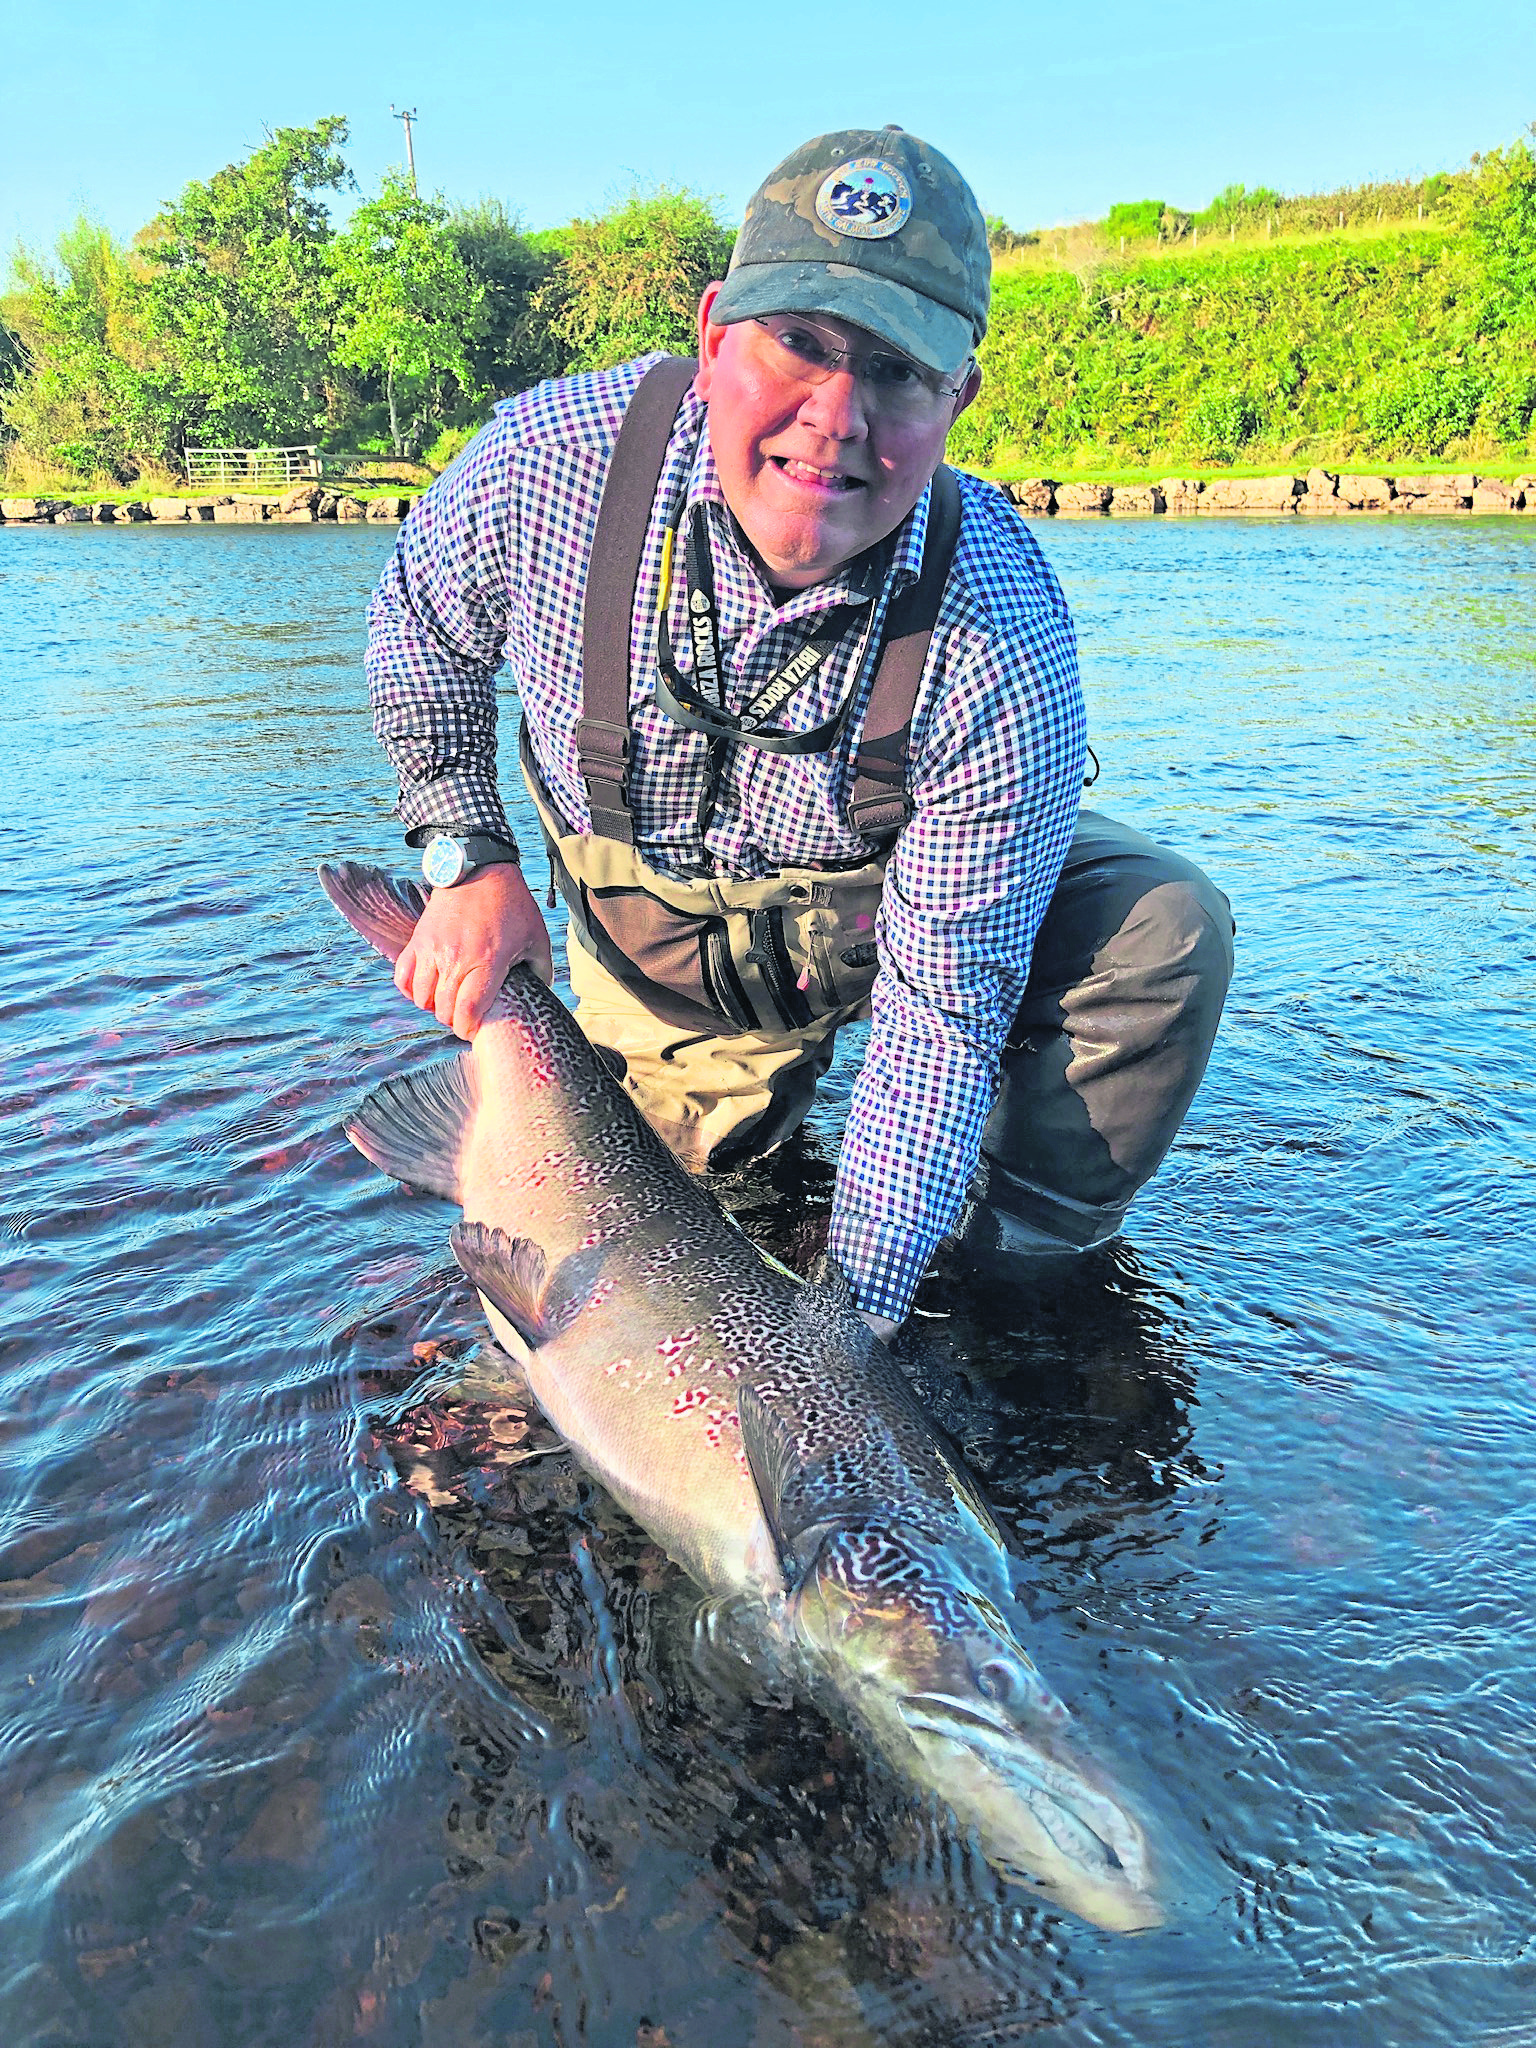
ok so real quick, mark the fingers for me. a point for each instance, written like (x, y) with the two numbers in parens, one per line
(539, 957)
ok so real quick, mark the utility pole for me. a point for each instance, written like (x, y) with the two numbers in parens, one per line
(408, 115)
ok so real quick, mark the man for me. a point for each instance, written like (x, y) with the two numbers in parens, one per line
(803, 728)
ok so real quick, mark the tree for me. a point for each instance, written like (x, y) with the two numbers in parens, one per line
(511, 346)
(237, 288)
(406, 305)
(88, 391)
(1498, 207)
(630, 280)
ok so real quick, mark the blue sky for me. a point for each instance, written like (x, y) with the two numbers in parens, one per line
(1053, 113)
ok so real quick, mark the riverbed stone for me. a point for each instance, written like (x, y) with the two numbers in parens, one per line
(240, 511)
(1182, 494)
(167, 508)
(135, 511)
(350, 508)
(1366, 493)
(21, 510)
(1492, 495)
(104, 514)
(1131, 500)
(304, 498)
(1522, 493)
(1437, 494)
(1265, 494)
(388, 508)
(1082, 501)
(1464, 484)
(1034, 495)
(72, 515)
(305, 516)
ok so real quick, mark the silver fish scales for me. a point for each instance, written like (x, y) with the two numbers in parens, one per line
(752, 1425)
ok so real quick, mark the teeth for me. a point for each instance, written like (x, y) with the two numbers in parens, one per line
(805, 473)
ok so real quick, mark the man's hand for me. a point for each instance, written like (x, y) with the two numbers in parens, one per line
(466, 939)
(883, 1326)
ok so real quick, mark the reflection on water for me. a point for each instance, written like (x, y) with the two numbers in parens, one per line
(337, 1705)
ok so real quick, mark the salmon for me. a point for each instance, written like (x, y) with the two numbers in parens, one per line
(751, 1423)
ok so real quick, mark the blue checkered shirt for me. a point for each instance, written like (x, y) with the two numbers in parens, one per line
(491, 566)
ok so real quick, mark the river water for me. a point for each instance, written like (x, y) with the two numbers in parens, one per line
(336, 1705)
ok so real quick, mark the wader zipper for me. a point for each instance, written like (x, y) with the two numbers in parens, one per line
(721, 979)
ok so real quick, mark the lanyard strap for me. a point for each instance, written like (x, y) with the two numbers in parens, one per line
(684, 700)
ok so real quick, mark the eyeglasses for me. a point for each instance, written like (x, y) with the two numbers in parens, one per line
(892, 384)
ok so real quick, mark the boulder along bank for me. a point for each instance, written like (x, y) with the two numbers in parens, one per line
(1320, 492)
(299, 507)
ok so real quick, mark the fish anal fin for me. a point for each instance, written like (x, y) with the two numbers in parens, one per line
(512, 1274)
(413, 1127)
(378, 906)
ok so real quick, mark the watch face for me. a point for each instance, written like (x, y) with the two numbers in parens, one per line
(443, 862)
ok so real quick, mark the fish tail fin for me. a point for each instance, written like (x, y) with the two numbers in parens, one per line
(383, 909)
(413, 1127)
(512, 1274)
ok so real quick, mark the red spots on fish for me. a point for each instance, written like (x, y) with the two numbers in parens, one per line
(694, 1397)
(594, 1238)
(731, 1369)
(601, 1292)
(674, 1347)
(618, 1365)
(676, 1370)
(721, 1419)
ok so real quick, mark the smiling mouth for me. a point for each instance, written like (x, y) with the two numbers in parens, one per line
(819, 479)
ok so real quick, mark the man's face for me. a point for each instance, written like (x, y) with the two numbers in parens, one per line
(815, 473)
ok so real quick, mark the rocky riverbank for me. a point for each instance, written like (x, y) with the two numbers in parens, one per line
(1320, 491)
(301, 506)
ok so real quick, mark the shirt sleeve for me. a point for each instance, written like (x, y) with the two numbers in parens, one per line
(437, 626)
(996, 786)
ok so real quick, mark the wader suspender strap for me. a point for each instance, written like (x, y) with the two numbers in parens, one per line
(602, 732)
(878, 804)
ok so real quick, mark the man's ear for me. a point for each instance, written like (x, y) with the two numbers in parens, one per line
(710, 338)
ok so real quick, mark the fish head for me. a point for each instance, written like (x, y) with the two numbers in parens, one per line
(931, 1667)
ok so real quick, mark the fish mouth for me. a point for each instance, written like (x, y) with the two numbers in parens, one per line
(1087, 1824)
(942, 1713)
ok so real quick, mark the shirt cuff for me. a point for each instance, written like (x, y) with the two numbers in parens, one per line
(884, 1265)
(464, 800)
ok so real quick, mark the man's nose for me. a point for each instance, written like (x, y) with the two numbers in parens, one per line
(837, 406)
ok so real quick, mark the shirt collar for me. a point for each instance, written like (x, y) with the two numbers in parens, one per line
(858, 581)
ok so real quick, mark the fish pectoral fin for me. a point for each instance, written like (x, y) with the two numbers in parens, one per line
(383, 910)
(414, 1127)
(799, 1504)
(511, 1272)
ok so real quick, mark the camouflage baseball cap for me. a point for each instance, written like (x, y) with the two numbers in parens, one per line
(874, 227)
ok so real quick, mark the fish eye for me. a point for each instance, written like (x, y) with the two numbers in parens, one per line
(1001, 1681)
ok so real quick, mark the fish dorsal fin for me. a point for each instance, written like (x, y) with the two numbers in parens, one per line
(382, 909)
(511, 1272)
(413, 1127)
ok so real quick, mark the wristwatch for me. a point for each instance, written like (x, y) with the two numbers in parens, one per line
(449, 856)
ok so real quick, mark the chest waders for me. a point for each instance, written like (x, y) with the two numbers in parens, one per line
(793, 951)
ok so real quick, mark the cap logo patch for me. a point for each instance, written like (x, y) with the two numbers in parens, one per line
(866, 199)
